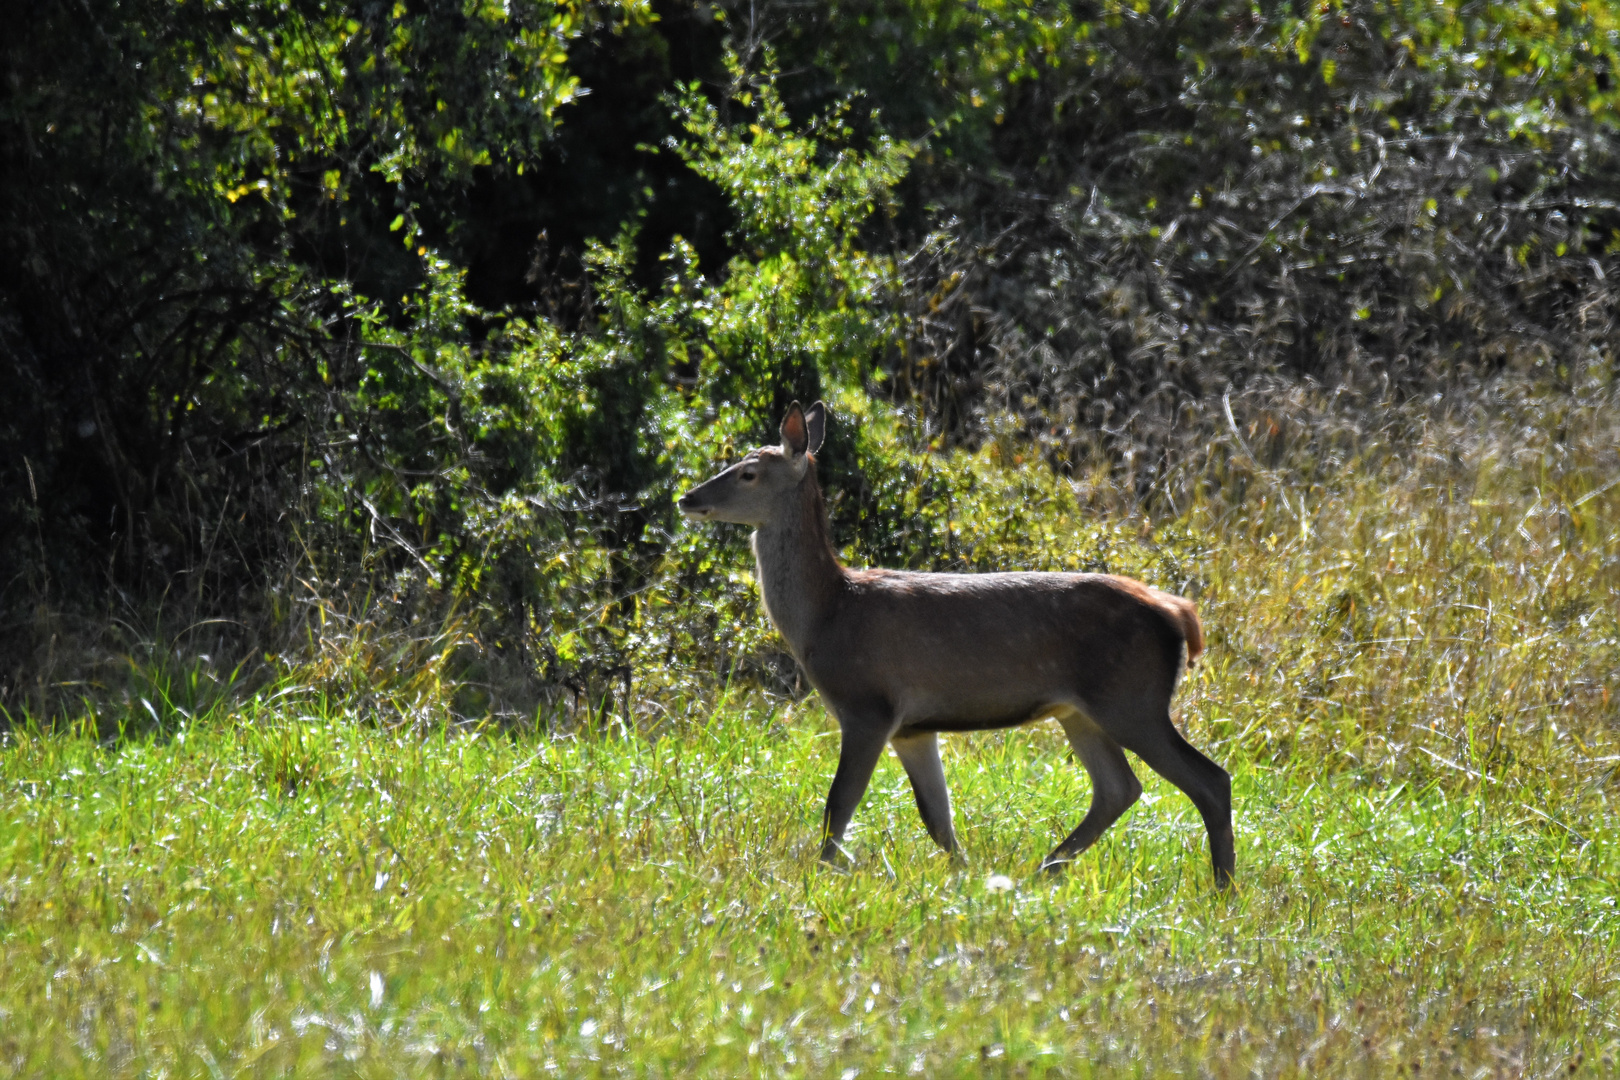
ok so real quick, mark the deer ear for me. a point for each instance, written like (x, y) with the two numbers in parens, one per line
(795, 433)
(815, 421)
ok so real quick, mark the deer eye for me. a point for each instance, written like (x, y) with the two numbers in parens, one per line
(748, 474)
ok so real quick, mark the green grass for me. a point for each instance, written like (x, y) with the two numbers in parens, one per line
(486, 904)
(1413, 677)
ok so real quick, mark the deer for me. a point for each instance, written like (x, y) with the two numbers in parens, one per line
(901, 657)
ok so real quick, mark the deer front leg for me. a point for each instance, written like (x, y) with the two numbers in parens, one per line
(857, 757)
(920, 755)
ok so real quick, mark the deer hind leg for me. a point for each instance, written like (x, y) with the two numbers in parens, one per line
(920, 755)
(1207, 784)
(1114, 787)
(858, 755)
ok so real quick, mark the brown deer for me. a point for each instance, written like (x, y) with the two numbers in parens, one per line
(899, 657)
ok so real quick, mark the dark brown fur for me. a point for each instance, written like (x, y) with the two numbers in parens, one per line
(900, 656)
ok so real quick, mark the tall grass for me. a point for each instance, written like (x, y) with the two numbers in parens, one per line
(1413, 666)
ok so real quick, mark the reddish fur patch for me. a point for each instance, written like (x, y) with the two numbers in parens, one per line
(1192, 628)
(794, 434)
(1182, 613)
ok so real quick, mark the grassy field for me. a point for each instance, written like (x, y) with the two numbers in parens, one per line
(1412, 676)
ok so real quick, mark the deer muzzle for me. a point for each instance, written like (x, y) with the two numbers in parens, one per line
(694, 509)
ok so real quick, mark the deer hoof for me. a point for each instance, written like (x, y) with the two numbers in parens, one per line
(834, 856)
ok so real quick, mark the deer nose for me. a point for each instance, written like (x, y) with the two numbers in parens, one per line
(691, 507)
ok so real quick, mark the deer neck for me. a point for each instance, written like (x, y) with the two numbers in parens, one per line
(799, 575)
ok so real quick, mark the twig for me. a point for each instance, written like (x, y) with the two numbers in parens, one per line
(1226, 403)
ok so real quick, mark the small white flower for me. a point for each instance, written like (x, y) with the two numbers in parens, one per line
(998, 883)
(377, 987)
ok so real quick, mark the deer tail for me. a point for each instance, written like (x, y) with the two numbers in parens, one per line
(1183, 615)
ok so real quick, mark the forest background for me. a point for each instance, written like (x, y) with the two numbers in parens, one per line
(354, 354)
(422, 315)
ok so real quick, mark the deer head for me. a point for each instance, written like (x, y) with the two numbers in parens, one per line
(761, 487)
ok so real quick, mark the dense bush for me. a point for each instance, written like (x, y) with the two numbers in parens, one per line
(1138, 205)
(342, 319)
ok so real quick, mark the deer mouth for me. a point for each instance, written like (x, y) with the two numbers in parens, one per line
(694, 511)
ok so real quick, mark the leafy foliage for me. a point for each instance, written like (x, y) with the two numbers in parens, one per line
(189, 191)
(355, 315)
(1143, 203)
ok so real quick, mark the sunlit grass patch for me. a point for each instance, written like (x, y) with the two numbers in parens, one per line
(469, 903)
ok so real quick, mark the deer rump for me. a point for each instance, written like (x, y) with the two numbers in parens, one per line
(966, 652)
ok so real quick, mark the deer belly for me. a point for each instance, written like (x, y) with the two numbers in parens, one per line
(944, 699)
(943, 677)
(942, 712)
